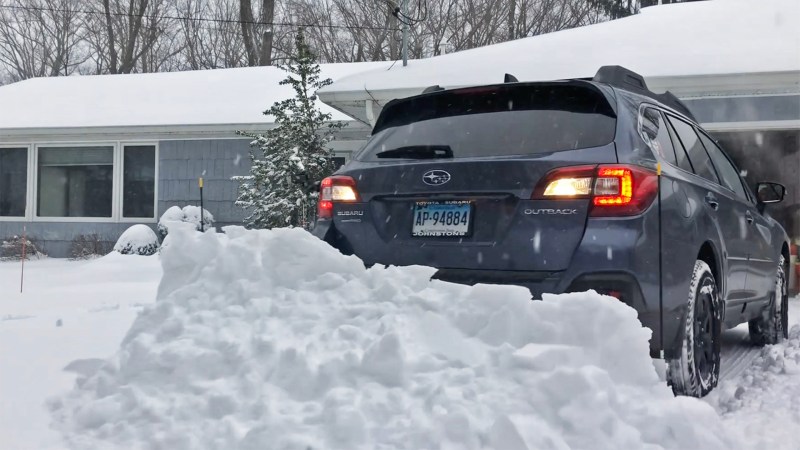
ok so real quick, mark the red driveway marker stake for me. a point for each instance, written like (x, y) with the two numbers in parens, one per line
(24, 245)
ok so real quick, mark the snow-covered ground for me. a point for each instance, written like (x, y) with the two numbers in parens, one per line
(273, 340)
(763, 399)
(69, 310)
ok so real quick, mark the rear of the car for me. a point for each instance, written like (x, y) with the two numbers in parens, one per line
(519, 183)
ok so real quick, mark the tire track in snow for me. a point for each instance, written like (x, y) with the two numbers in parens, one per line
(738, 352)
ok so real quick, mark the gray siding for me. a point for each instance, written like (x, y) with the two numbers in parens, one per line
(55, 238)
(181, 162)
(217, 160)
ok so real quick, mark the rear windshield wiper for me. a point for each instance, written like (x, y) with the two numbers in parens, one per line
(418, 152)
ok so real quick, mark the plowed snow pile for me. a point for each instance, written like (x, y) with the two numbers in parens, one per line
(272, 340)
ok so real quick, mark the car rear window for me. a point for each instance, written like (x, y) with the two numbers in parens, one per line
(496, 121)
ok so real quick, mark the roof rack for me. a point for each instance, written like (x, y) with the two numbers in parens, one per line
(623, 78)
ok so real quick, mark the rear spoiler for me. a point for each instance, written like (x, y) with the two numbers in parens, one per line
(402, 111)
(620, 77)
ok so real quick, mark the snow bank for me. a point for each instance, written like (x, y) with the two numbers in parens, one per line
(271, 339)
(137, 240)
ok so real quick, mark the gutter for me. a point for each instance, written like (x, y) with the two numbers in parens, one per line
(150, 132)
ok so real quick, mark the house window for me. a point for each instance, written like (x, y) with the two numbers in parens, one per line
(13, 181)
(138, 181)
(337, 162)
(75, 181)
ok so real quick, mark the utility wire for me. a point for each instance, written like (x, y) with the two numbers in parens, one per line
(404, 18)
(414, 21)
(195, 19)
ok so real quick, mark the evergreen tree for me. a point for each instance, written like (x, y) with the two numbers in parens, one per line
(288, 159)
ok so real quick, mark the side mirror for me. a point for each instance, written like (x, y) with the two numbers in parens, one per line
(767, 192)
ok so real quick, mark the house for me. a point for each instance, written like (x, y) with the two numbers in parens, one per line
(88, 155)
(734, 63)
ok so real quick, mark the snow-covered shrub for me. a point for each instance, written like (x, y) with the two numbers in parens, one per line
(172, 214)
(192, 215)
(189, 214)
(137, 240)
(85, 246)
(11, 249)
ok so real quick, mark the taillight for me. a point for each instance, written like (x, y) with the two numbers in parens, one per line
(615, 190)
(335, 189)
(623, 191)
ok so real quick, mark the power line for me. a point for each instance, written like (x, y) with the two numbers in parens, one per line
(404, 18)
(195, 19)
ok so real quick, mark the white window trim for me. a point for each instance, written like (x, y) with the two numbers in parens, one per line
(120, 182)
(28, 187)
(346, 154)
(117, 180)
(35, 167)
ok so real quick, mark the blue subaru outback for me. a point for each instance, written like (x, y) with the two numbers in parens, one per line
(568, 186)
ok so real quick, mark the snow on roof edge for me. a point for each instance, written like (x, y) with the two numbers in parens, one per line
(166, 99)
(762, 24)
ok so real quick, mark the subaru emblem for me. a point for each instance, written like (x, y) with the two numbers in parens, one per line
(435, 177)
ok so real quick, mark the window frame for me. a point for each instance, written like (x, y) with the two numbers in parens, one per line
(666, 125)
(117, 182)
(29, 186)
(121, 205)
(673, 136)
(676, 142)
(727, 158)
(695, 129)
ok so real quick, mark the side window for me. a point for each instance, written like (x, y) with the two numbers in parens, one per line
(680, 152)
(694, 148)
(654, 132)
(726, 170)
(13, 181)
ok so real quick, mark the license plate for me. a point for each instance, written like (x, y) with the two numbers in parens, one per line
(438, 219)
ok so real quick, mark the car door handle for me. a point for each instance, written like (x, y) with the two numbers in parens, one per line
(749, 217)
(712, 201)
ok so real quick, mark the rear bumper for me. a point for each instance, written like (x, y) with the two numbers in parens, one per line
(622, 285)
(615, 256)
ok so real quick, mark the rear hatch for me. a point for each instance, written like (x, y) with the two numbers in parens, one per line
(448, 179)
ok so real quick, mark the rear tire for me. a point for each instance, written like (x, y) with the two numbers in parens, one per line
(695, 371)
(773, 325)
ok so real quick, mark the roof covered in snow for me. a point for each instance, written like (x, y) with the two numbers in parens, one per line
(205, 97)
(683, 39)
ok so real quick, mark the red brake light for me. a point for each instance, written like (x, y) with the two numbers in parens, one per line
(613, 186)
(615, 190)
(623, 191)
(334, 189)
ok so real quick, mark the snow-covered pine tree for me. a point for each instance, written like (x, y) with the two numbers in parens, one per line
(289, 158)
